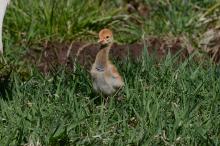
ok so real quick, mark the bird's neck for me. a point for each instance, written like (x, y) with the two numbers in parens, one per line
(102, 57)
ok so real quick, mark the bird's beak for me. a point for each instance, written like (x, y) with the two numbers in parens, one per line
(100, 41)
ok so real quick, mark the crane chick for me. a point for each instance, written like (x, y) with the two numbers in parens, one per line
(106, 78)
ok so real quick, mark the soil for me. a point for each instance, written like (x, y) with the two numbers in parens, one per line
(63, 53)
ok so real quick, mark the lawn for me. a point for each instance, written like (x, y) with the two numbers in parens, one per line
(165, 102)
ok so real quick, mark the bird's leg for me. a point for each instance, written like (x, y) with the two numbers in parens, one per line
(119, 97)
(106, 101)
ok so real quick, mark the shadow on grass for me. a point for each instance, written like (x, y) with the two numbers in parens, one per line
(5, 83)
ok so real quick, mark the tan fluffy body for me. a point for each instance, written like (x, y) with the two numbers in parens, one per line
(106, 78)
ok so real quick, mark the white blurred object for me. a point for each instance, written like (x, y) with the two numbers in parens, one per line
(3, 5)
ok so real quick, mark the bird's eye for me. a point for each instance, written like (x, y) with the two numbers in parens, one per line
(107, 37)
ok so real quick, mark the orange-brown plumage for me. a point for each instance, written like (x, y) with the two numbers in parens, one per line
(106, 78)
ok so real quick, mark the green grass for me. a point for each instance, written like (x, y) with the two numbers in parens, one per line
(165, 103)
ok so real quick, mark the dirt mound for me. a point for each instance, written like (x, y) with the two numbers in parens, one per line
(64, 53)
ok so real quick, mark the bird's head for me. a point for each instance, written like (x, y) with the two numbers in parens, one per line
(105, 37)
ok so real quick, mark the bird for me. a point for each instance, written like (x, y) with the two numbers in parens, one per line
(3, 6)
(105, 76)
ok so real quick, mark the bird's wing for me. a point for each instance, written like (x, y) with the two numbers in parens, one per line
(114, 72)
